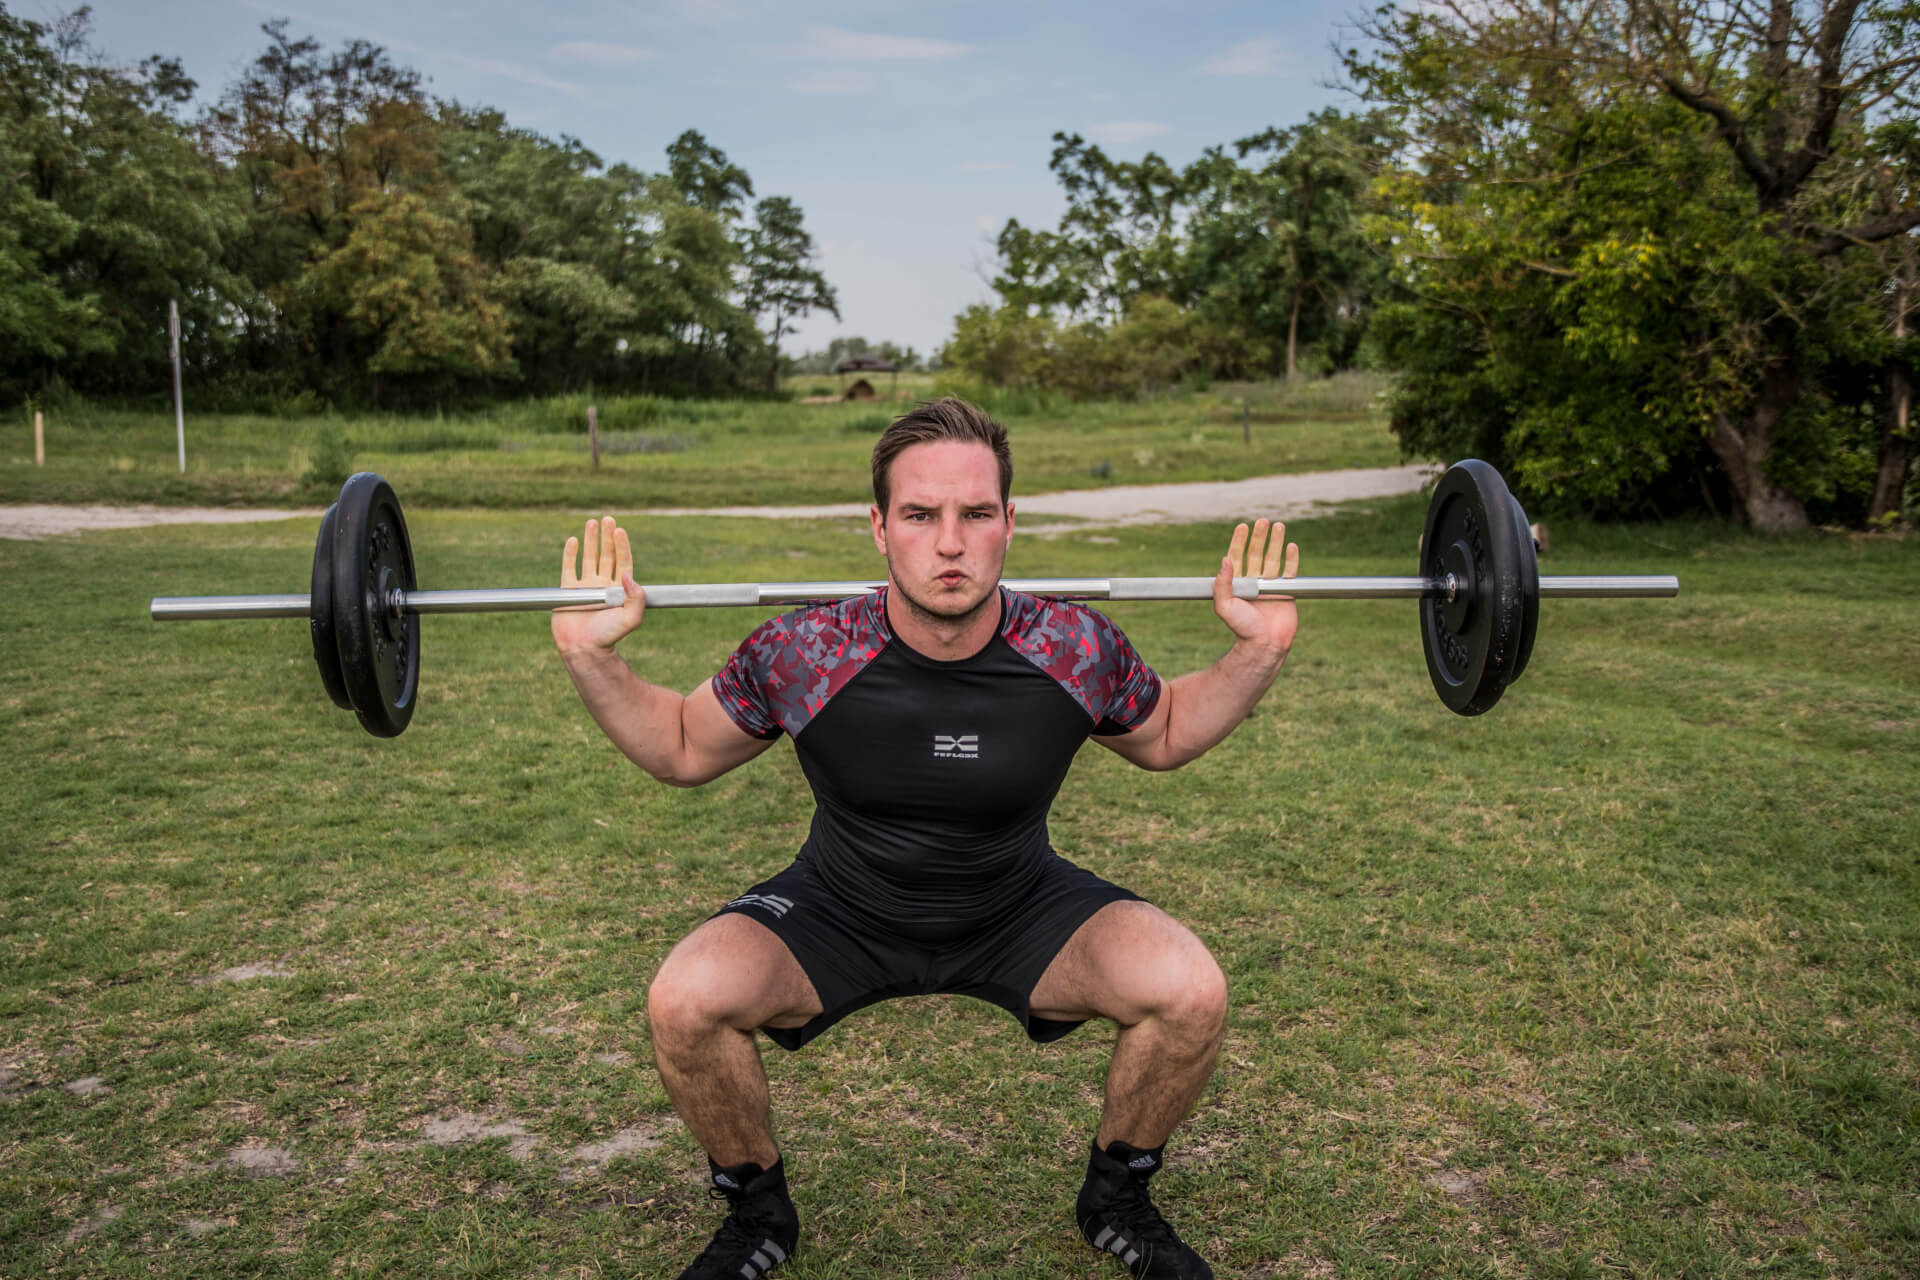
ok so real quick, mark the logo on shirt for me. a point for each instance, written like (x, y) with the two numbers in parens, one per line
(964, 747)
(773, 904)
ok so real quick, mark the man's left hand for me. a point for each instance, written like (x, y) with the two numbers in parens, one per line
(1270, 621)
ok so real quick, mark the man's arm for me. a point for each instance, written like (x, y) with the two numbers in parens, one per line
(1198, 710)
(683, 741)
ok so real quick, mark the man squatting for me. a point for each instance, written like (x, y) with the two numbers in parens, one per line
(935, 720)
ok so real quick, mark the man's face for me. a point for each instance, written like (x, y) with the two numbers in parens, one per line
(945, 531)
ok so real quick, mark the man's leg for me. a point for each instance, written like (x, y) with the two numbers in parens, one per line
(725, 979)
(1133, 963)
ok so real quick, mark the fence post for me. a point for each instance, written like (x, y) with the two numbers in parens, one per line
(39, 440)
(1246, 423)
(593, 434)
(179, 419)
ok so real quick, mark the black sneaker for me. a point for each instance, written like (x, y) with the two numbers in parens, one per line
(761, 1227)
(1117, 1217)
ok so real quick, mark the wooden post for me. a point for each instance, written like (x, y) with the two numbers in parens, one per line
(1246, 423)
(179, 419)
(39, 440)
(593, 434)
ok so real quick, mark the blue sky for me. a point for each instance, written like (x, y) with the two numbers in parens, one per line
(908, 133)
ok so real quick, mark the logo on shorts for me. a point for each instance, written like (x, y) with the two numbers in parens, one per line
(772, 904)
(964, 747)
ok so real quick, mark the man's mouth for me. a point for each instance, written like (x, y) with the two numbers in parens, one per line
(952, 578)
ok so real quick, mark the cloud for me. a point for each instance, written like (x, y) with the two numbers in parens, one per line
(1120, 133)
(986, 222)
(600, 55)
(983, 166)
(874, 46)
(1261, 56)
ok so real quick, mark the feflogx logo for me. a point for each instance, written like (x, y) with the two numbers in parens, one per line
(966, 746)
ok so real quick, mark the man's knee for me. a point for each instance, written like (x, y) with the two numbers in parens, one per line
(1193, 995)
(728, 974)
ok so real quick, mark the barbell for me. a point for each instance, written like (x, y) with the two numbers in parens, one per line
(1479, 589)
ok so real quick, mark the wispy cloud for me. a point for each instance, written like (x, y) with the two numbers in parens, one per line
(1261, 56)
(429, 58)
(986, 222)
(1120, 133)
(600, 55)
(874, 46)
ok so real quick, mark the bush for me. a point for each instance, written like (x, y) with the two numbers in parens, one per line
(331, 461)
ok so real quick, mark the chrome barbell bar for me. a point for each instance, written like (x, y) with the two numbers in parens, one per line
(703, 595)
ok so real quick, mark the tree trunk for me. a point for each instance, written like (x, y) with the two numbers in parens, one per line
(1896, 447)
(1743, 448)
(1896, 439)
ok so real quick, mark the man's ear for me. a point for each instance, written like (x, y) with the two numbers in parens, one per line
(878, 519)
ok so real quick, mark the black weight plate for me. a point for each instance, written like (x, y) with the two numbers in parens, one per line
(1529, 590)
(326, 651)
(1473, 641)
(379, 650)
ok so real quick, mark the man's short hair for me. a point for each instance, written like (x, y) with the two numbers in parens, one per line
(943, 419)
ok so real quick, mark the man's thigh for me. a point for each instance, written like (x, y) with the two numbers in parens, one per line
(737, 971)
(1128, 962)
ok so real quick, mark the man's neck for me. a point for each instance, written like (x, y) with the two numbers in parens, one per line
(943, 639)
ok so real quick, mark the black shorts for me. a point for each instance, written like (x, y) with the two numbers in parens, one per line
(853, 962)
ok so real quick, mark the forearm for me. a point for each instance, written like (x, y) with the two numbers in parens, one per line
(647, 722)
(1203, 707)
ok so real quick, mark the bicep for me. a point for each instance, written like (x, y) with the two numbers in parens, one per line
(1143, 744)
(714, 743)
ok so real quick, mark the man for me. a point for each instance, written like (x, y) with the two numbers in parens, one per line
(935, 720)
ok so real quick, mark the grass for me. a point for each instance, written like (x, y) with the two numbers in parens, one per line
(1622, 978)
(677, 453)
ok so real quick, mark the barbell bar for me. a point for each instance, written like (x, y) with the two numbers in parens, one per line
(1479, 591)
(710, 595)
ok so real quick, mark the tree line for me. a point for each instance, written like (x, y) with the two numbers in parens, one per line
(332, 234)
(1642, 254)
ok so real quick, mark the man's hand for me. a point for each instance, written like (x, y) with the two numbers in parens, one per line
(604, 558)
(1269, 621)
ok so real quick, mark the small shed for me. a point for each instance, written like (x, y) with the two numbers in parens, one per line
(867, 364)
(861, 390)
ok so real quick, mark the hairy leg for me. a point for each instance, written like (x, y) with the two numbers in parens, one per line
(1137, 965)
(723, 980)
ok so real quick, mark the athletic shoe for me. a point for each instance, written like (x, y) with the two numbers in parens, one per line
(760, 1230)
(1117, 1216)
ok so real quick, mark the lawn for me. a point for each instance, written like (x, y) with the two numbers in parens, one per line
(1622, 978)
(677, 452)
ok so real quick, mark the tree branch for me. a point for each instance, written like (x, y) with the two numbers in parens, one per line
(1865, 233)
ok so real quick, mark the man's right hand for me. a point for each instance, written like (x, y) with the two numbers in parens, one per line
(600, 557)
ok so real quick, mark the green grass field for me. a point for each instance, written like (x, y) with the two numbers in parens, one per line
(1622, 978)
(659, 453)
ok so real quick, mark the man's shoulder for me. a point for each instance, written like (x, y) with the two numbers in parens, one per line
(852, 629)
(1037, 621)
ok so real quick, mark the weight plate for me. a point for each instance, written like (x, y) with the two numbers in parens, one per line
(1472, 641)
(1529, 591)
(379, 647)
(326, 650)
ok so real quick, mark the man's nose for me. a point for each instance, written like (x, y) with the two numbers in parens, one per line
(951, 543)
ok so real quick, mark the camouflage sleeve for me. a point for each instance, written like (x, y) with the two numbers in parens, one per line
(741, 685)
(1132, 687)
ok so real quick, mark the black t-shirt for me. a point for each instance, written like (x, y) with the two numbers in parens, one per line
(932, 780)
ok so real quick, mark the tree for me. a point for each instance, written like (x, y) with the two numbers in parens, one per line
(705, 178)
(107, 212)
(1733, 126)
(781, 281)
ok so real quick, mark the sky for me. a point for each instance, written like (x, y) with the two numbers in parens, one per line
(907, 133)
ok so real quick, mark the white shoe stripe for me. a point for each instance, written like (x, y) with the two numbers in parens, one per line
(761, 1260)
(1100, 1241)
(779, 1254)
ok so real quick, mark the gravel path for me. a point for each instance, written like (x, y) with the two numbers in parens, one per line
(1280, 497)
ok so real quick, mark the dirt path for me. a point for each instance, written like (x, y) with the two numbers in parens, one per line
(1281, 497)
